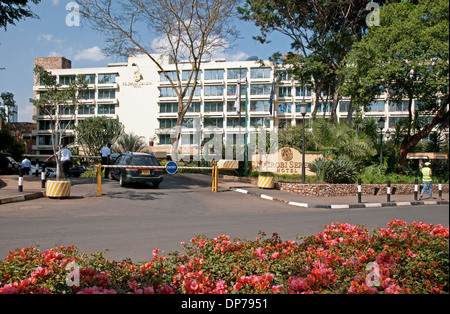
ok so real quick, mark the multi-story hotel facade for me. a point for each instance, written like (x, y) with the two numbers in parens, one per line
(141, 98)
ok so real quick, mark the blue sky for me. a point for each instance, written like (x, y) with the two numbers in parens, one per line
(50, 36)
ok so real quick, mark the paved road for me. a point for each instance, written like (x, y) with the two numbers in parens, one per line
(131, 222)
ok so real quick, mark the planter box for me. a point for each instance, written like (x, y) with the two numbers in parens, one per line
(266, 182)
(58, 189)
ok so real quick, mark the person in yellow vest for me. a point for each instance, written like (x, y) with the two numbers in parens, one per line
(426, 180)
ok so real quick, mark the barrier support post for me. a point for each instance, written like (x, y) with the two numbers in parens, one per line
(20, 187)
(359, 190)
(388, 191)
(43, 177)
(99, 179)
(217, 178)
(416, 189)
(440, 189)
(213, 172)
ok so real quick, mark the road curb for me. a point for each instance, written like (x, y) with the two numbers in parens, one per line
(341, 206)
(22, 198)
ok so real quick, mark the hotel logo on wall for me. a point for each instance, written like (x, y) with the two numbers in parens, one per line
(137, 81)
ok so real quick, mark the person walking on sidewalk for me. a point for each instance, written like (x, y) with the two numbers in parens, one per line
(426, 180)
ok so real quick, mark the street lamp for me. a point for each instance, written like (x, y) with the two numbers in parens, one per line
(381, 122)
(303, 109)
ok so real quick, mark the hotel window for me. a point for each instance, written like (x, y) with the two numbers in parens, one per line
(235, 74)
(284, 123)
(214, 75)
(89, 79)
(172, 74)
(213, 106)
(64, 110)
(394, 121)
(260, 89)
(45, 140)
(165, 139)
(231, 106)
(194, 107)
(106, 78)
(260, 121)
(324, 107)
(86, 109)
(297, 107)
(167, 123)
(284, 76)
(234, 122)
(399, 106)
(197, 92)
(106, 109)
(284, 91)
(284, 107)
(344, 106)
(231, 90)
(86, 94)
(260, 73)
(187, 123)
(45, 125)
(260, 105)
(106, 94)
(377, 106)
(213, 122)
(303, 91)
(168, 107)
(213, 90)
(185, 75)
(66, 79)
(167, 92)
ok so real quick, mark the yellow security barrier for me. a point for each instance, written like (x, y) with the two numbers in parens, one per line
(228, 164)
(266, 182)
(58, 188)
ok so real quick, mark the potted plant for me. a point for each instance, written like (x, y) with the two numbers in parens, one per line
(266, 180)
(59, 103)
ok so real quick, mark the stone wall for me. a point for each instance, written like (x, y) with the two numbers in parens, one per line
(351, 189)
(330, 190)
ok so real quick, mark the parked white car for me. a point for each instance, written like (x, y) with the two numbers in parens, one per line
(50, 172)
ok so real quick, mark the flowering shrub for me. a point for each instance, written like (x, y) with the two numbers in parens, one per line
(344, 258)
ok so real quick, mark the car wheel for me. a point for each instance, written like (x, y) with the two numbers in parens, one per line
(121, 180)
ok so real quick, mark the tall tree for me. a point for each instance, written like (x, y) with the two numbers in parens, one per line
(59, 104)
(95, 132)
(323, 32)
(188, 30)
(7, 106)
(12, 11)
(407, 55)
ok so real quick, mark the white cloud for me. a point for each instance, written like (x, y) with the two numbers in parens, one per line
(47, 37)
(91, 54)
(55, 2)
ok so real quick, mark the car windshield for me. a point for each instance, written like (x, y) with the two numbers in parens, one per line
(144, 161)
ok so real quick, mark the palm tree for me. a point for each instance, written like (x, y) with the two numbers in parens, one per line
(130, 142)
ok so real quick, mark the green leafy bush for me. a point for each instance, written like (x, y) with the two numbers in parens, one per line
(344, 258)
(334, 171)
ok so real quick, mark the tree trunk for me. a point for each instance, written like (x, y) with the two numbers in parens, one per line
(410, 141)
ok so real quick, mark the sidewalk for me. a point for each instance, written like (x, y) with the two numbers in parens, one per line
(9, 189)
(32, 189)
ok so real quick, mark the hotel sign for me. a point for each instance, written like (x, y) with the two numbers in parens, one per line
(137, 81)
(287, 161)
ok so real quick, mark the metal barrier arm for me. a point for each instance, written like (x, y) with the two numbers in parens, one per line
(215, 173)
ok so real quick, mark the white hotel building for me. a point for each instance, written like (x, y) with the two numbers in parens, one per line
(140, 97)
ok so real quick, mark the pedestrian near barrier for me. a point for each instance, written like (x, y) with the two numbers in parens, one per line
(426, 180)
